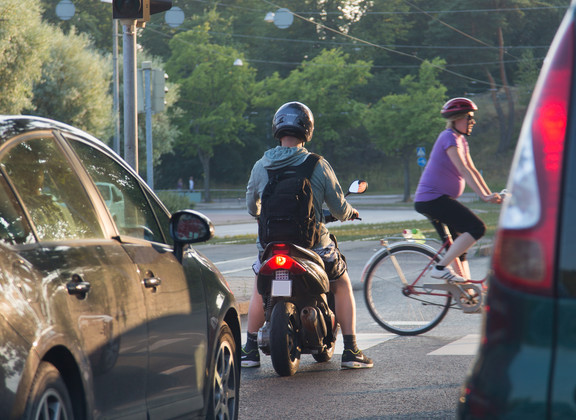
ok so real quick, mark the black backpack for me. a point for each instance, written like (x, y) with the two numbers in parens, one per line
(287, 213)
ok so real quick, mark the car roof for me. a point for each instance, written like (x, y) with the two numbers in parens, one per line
(14, 125)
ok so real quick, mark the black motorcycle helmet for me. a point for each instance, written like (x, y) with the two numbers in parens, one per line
(293, 119)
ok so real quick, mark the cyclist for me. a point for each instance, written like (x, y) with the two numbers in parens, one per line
(449, 169)
(293, 125)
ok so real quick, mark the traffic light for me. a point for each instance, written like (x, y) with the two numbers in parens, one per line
(159, 6)
(131, 9)
(139, 9)
(159, 90)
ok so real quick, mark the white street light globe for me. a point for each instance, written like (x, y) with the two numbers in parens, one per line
(65, 10)
(174, 17)
(283, 18)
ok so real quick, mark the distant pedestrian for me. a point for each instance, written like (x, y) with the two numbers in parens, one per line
(191, 183)
(180, 184)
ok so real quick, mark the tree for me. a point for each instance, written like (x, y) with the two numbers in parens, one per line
(214, 95)
(91, 17)
(400, 123)
(65, 93)
(23, 43)
(325, 84)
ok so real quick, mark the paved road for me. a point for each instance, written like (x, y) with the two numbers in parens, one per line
(235, 262)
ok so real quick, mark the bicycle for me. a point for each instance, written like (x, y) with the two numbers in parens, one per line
(403, 298)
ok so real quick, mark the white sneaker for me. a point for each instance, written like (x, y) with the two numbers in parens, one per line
(447, 273)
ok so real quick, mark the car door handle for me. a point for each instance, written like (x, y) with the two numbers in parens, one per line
(151, 282)
(78, 287)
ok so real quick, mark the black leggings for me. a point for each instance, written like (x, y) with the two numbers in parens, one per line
(459, 218)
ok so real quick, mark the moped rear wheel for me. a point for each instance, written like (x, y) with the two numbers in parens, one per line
(284, 342)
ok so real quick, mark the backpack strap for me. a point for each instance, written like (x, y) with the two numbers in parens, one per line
(305, 168)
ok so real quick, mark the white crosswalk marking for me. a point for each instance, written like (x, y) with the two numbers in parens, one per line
(466, 346)
(364, 341)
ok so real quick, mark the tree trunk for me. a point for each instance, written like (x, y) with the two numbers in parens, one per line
(507, 137)
(406, 198)
(205, 159)
(498, 107)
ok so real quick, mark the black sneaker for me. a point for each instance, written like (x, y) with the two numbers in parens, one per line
(250, 358)
(355, 360)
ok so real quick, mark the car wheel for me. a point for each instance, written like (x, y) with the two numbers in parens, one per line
(48, 398)
(225, 385)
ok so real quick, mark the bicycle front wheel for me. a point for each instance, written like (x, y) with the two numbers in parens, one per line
(395, 298)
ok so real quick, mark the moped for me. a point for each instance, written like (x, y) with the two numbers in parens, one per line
(298, 305)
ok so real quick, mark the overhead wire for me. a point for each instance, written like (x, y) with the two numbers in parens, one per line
(393, 51)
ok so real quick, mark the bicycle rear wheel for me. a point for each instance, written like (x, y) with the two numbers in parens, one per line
(395, 306)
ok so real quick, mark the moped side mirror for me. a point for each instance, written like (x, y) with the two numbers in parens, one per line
(358, 187)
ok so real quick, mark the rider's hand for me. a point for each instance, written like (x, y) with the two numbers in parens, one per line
(355, 215)
(493, 198)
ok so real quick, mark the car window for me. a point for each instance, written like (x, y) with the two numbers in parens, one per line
(14, 229)
(128, 204)
(51, 191)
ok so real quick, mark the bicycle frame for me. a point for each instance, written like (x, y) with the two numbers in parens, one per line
(460, 292)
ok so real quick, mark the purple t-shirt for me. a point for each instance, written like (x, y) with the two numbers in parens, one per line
(440, 176)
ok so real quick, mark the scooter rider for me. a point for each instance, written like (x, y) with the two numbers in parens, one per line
(293, 125)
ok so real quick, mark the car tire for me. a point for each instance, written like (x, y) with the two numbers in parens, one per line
(225, 383)
(49, 397)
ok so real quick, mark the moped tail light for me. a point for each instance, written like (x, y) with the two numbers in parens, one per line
(525, 244)
(281, 262)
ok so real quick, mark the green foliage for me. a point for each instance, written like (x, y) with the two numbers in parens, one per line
(399, 123)
(214, 94)
(23, 47)
(75, 84)
(324, 83)
(92, 18)
(526, 76)
(174, 201)
(357, 64)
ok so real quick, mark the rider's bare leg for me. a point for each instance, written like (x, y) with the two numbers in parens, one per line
(256, 315)
(345, 304)
(459, 247)
(465, 269)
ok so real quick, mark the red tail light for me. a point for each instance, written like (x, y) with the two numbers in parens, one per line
(281, 262)
(526, 241)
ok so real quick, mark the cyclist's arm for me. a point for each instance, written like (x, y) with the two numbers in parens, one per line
(461, 165)
(477, 175)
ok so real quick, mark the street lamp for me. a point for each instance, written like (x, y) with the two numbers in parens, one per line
(65, 10)
(269, 17)
(174, 17)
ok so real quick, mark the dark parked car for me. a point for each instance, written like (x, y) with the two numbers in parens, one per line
(526, 364)
(104, 315)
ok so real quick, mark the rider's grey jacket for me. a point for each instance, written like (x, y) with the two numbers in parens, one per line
(325, 186)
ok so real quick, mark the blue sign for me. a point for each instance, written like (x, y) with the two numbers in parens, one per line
(422, 161)
(420, 152)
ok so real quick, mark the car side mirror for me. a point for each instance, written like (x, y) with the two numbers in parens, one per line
(188, 227)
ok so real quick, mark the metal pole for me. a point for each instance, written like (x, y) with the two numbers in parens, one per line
(147, 70)
(130, 108)
(116, 86)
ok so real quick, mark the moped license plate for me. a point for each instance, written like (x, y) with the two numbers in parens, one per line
(281, 287)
